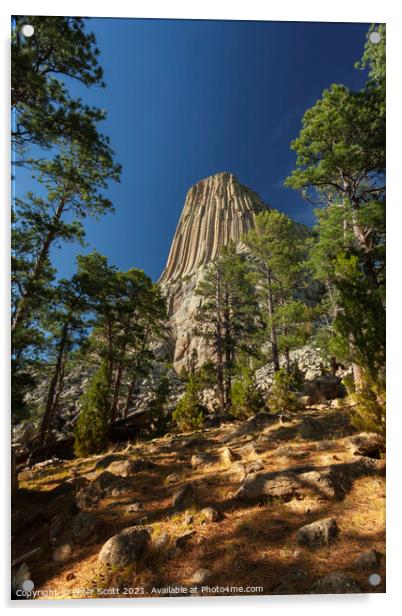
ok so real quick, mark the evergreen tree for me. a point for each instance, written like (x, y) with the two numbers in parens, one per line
(278, 260)
(91, 432)
(341, 165)
(228, 316)
(190, 413)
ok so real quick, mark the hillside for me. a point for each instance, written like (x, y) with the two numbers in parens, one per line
(222, 507)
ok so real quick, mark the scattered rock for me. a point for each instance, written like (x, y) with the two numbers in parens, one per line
(59, 524)
(202, 460)
(125, 548)
(255, 424)
(106, 461)
(228, 456)
(201, 576)
(184, 496)
(84, 527)
(321, 532)
(367, 444)
(172, 478)
(62, 553)
(183, 539)
(370, 559)
(292, 581)
(336, 583)
(210, 514)
(133, 507)
(162, 541)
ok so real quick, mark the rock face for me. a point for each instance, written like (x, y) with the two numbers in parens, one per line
(217, 210)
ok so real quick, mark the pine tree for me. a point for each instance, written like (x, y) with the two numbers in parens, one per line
(278, 260)
(92, 429)
(228, 316)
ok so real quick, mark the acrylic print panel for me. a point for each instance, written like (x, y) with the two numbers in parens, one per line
(197, 308)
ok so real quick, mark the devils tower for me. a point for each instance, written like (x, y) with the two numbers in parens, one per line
(217, 210)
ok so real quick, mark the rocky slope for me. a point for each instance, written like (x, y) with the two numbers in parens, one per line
(217, 210)
(292, 505)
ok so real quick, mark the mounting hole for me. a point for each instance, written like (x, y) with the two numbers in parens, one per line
(27, 30)
(28, 585)
(374, 579)
(375, 37)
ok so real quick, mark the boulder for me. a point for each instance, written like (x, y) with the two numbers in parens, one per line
(336, 583)
(253, 425)
(228, 456)
(367, 444)
(369, 559)
(84, 527)
(125, 468)
(201, 576)
(321, 532)
(268, 485)
(161, 541)
(62, 553)
(133, 508)
(125, 548)
(202, 460)
(184, 496)
(209, 514)
(172, 478)
(291, 581)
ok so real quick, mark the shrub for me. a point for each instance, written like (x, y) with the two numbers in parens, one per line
(92, 429)
(281, 397)
(246, 398)
(369, 403)
(189, 413)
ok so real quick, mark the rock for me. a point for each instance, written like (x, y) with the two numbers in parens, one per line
(62, 553)
(59, 524)
(321, 532)
(202, 460)
(84, 527)
(86, 499)
(125, 468)
(272, 485)
(292, 581)
(370, 559)
(183, 539)
(228, 456)
(324, 388)
(327, 484)
(253, 425)
(336, 583)
(106, 461)
(133, 507)
(102, 483)
(217, 209)
(172, 478)
(161, 541)
(367, 444)
(184, 496)
(200, 576)
(251, 450)
(210, 514)
(125, 548)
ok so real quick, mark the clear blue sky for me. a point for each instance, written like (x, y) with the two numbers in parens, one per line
(187, 99)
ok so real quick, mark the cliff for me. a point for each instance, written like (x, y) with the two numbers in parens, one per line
(217, 210)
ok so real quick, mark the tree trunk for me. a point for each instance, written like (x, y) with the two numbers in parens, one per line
(273, 334)
(48, 415)
(129, 396)
(116, 391)
(22, 311)
(287, 359)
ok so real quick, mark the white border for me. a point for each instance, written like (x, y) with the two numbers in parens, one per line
(285, 10)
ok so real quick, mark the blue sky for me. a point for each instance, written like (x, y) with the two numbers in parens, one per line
(187, 99)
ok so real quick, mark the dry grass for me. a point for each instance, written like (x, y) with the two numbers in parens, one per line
(248, 546)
